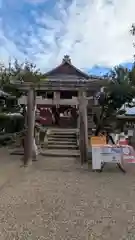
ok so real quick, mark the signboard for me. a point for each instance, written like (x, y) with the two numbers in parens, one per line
(98, 140)
(111, 158)
(111, 154)
(128, 154)
(111, 150)
(105, 154)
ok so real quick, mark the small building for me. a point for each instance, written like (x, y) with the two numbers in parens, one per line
(126, 121)
(58, 98)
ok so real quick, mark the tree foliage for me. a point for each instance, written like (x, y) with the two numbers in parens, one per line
(119, 91)
(23, 72)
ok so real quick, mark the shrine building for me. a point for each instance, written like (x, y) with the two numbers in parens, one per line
(58, 97)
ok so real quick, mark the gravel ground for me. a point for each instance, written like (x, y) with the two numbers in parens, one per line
(59, 200)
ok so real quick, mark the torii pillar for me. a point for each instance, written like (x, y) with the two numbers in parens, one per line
(30, 127)
(83, 126)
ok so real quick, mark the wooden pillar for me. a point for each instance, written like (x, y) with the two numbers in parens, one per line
(78, 119)
(30, 127)
(83, 126)
(56, 98)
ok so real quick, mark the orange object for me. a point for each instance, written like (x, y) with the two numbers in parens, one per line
(98, 140)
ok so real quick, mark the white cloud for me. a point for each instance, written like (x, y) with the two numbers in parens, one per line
(35, 1)
(92, 32)
(8, 48)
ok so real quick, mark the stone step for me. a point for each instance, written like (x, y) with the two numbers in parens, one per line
(91, 124)
(90, 119)
(62, 136)
(62, 133)
(59, 139)
(91, 127)
(89, 114)
(55, 142)
(62, 153)
(58, 146)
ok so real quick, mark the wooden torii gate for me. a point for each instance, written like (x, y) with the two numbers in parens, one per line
(76, 85)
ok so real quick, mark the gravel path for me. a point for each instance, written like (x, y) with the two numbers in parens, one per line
(58, 200)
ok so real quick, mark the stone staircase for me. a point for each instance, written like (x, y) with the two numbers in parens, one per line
(61, 143)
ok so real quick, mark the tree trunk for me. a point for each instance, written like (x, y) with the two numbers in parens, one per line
(100, 122)
(28, 145)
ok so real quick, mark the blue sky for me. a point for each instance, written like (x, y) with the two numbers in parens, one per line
(95, 33)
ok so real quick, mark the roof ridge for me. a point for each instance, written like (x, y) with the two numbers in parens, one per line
(68, 62)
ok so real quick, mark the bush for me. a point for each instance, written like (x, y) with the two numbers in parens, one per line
(11, 123)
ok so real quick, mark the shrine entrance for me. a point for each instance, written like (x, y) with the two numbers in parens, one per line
(60, 116)
(65, 116)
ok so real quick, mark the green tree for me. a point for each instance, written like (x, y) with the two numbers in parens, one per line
(119, 91)
(10, 78)
(27, 73)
